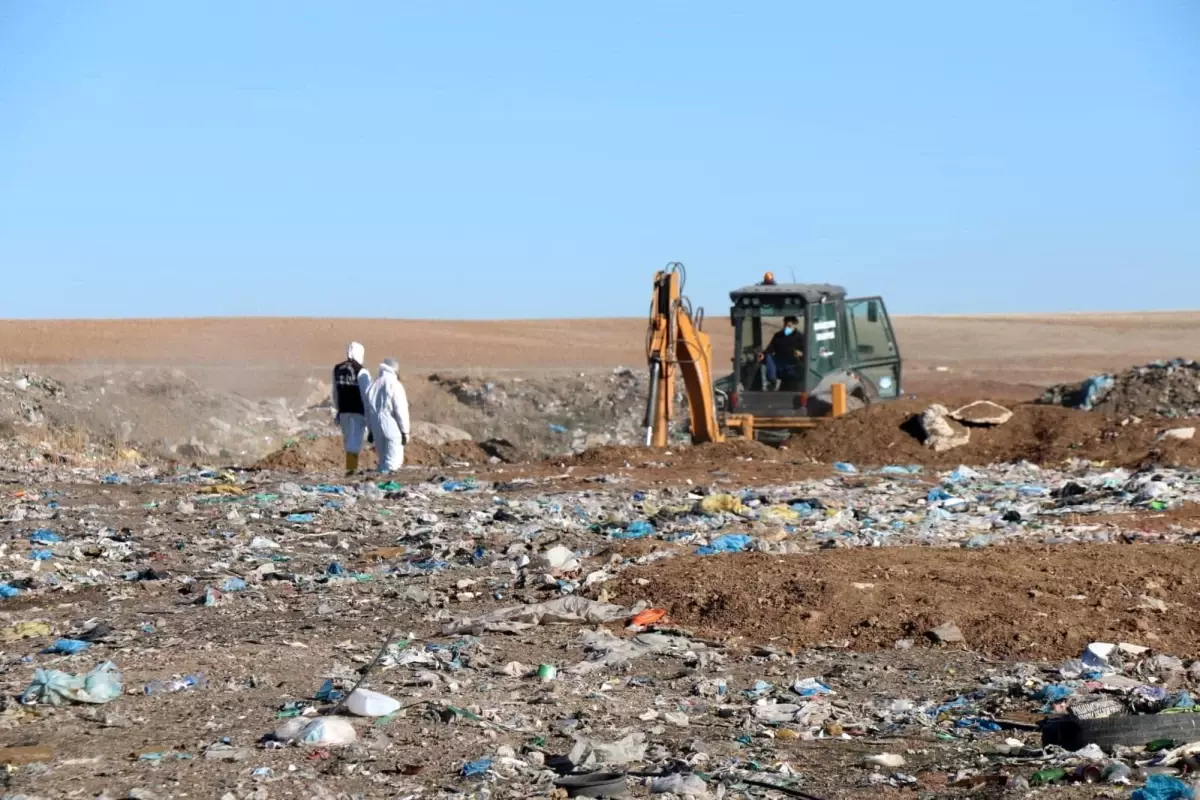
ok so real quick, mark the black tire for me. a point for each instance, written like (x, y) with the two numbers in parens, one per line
(595, 784)
(1132, 730)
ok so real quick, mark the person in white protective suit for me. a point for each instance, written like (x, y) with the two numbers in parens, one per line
(350, 383)
(387, 409)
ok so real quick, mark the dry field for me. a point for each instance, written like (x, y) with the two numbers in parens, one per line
(1010, 355)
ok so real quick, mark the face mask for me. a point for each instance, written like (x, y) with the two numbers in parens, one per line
(789, 330)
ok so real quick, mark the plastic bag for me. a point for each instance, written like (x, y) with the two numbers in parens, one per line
(103, 684)
(319, 731)
(716, 504)
(635, 530)
(1164, 787)
(680, 784)
(590, 753)
(729, 543)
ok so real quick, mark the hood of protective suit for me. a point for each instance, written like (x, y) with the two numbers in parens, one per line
(356, 352)
(389, 367)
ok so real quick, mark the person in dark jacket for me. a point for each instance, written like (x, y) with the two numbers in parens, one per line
(784, 356)
(350, 383)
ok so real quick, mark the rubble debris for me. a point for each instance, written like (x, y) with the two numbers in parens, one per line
(939, 432)
(982, 413)
(946, 633)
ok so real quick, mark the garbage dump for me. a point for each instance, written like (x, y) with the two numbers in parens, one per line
(743, 628)
(1161, 388)
(949, 599)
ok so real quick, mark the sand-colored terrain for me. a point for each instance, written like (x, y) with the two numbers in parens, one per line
(1009, 355)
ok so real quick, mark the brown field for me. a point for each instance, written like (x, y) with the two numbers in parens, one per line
(1010, 355)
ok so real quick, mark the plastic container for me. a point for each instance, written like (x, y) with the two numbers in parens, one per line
(366, 703)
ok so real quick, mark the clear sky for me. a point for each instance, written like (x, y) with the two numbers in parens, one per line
(514, 159)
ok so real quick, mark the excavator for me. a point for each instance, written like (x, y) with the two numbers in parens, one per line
(802, 353)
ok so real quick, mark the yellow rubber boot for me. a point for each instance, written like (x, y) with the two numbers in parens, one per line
(351, 463)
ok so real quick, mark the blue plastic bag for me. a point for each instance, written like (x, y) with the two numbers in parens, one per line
(233, 585)
(1163, 787)
(474, 768)
(66, 647)
(44, 536)
(557, 428)
(300, 517)
(1094, 390)
(727, 543)
(328, 694)
(635, 530)
(7, 591)
(845, 468)
(1053, 692)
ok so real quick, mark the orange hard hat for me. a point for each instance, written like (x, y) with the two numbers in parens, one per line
(769, 278)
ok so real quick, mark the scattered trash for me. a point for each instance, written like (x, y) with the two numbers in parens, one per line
(726, 543)
(594, 784)
(474, 769)
(366, 703)
(690, 785)
(635, 530)
(648, 617)
(318, 731)
(102, 684)
(173, 685)
(24, 630)
(67, 647)
(1163, 787)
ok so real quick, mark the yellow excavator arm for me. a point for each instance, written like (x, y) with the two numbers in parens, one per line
(675, 343)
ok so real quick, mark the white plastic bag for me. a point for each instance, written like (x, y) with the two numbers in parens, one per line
(318, 731)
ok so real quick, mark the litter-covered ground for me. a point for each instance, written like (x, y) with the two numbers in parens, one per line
(1160, 389)
(736, 626)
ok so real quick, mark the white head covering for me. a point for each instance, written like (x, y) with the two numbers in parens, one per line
(356, 352)
(389, 365)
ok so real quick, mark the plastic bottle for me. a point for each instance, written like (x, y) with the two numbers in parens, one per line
(1047, 776)
(1117, 772)
(176, 684)
(366, 703)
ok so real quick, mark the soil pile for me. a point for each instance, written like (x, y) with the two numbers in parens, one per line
(325, 453)
(711, 455)
(1045, 602)
(1160, 389)
(887, 433)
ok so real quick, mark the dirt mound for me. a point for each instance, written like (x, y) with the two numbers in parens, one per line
(325, 453)
(1160, 389)
(887, 434)
(715, 454)
(1045, 602)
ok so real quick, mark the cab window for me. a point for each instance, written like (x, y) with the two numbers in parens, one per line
(870, 330)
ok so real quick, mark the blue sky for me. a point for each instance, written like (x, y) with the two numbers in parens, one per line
(542, 159)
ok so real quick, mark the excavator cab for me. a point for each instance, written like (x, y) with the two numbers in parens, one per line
(794, 344)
